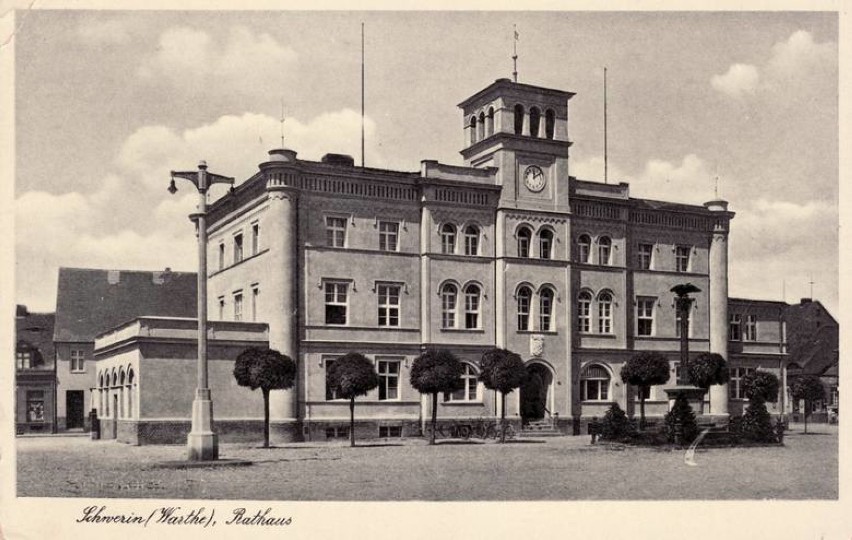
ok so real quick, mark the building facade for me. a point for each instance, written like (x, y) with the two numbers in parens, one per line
(508, 251)
(90, 301)
(35, 372)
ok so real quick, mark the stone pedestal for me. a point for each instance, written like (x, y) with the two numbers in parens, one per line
(202, 443)
(694, 396)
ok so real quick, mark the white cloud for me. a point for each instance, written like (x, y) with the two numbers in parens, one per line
(132, 222)
(795, 65)
(244, 62)
(104, 32)
(738, 81)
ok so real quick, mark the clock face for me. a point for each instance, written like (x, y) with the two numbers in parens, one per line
(534, 178)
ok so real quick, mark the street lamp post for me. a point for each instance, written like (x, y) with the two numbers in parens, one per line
(202, 442)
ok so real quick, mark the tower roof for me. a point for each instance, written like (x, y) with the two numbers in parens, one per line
(507, 87)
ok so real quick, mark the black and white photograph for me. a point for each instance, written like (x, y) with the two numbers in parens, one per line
(267, 259)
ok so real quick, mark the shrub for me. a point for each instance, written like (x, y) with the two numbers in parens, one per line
(756, 424)
(615, 425)
(760, 386)
(644, 370)
(708, 369)
(681, 413)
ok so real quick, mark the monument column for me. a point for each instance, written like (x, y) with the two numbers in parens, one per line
(719, 299)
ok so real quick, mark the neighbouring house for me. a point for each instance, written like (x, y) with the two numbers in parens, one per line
(814, 338)
(35, 372)
(91, 301)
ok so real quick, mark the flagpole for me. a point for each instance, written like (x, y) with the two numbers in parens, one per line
(606, 155)
(515, 53)
(362, 95)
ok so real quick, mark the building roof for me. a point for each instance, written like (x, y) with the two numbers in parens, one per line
(91, 301)
(35, 330)
(812, 335)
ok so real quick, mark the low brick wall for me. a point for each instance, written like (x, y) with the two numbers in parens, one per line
(364, 429)
(142, 432)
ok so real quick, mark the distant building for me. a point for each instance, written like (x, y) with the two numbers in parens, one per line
(35, 372)
(814, 338)
(91, 301)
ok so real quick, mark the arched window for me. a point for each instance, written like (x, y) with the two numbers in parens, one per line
(130, 393)
(604, 250)
(469, 390)
(584, 248)
(605, 313)
(449, 301)
(101, 380)
(114, 378)
(584, 312)
(481, 126)
(549, 123)
(594, 383)
(524, 237)
(524, 297)
(471, 306)
(545, 244)
(472, 129)
(471, 240)
(545, 310)
(448, 238)
(489, 122)
(519, 119)
(535, 121)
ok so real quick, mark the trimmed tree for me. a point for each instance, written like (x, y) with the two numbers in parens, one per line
(644, 370)
(435, 372)
(759, 387)
(708, 369)
(266, 369)
(350, 376)
(808, 388)
(503, 371)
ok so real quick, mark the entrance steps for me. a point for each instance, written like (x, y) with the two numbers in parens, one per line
(539, 428)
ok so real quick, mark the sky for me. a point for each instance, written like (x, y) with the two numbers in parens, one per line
(107, 102)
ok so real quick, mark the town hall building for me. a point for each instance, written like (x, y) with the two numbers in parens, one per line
(508, 250)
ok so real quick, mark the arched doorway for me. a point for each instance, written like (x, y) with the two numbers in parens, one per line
(535, 393)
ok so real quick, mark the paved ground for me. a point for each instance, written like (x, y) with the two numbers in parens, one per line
(564, 468)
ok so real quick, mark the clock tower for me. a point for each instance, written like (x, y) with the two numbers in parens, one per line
(522, 130)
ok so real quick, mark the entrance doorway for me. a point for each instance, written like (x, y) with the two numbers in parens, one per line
(73, 409)
(535, 393)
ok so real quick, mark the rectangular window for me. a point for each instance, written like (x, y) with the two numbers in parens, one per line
(448, 306)
(645, 316)
(238, 247)
(468, 390)
(605, 314)
(643, 255)
(750, 333)
(255, 295)
(682, 258)
(35, 405)
(735, 327)
(221, 308)
(388, 236)
(735, 384)
(471, 307)
(221, 255)
(389, 305)
(238, 306)
(330, 394)
(337, 433)
(335, 231)
(335, 302)
(386, 432)
(255, 238)
(594, 390)
(78, 361)
(388, 371)
(584, 313)
(24, 359)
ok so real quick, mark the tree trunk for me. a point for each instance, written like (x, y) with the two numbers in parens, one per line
(642, 408)
(352, 422)
(434, 416)
(265, 417)
(806, 416)
(503, 417)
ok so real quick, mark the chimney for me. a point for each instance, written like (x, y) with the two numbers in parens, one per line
(806, 300)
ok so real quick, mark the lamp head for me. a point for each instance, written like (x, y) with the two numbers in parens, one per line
(172, 186)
